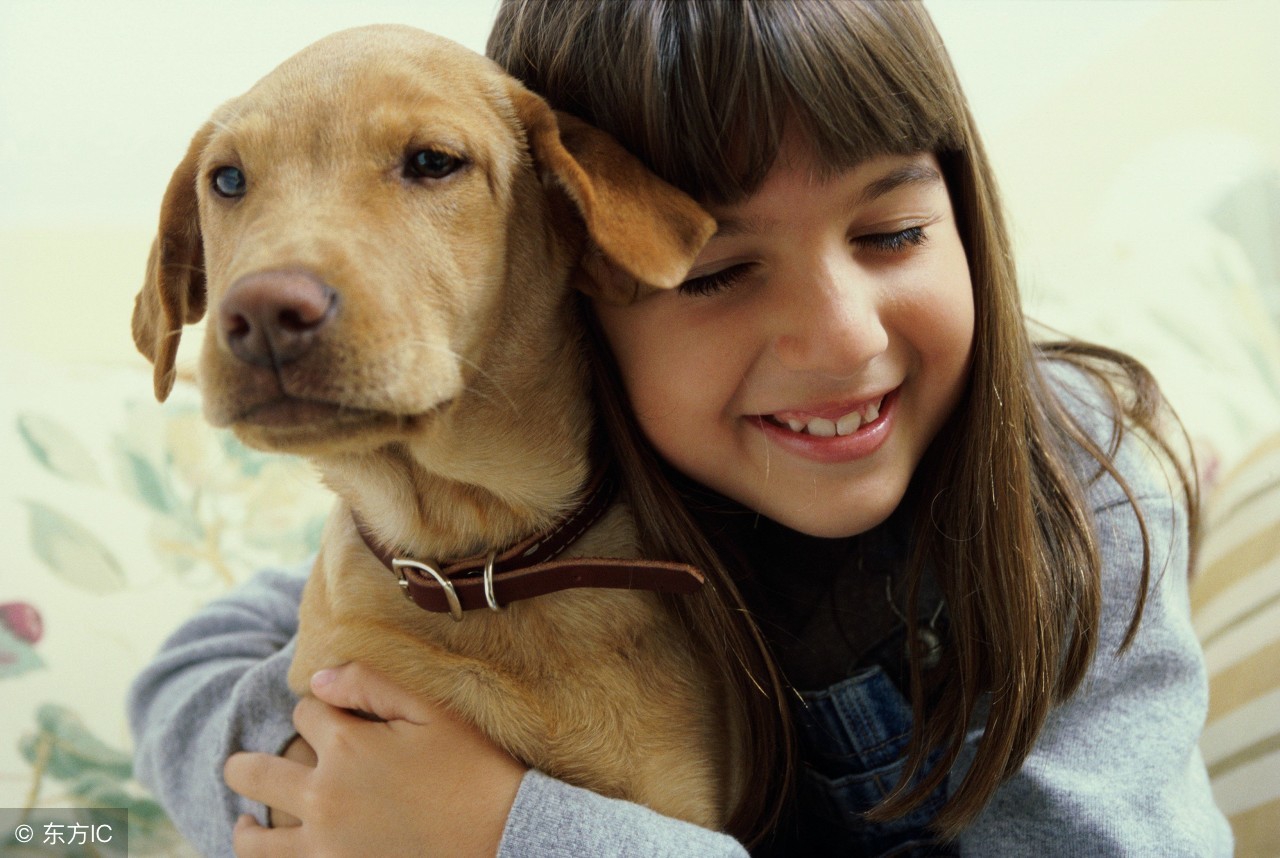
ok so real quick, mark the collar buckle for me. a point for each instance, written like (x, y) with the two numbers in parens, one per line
(399, 565)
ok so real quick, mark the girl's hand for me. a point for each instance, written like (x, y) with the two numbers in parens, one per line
(418, 782)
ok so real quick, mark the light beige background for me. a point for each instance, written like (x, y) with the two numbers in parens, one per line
(98, 99)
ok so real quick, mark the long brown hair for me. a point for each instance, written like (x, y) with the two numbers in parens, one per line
(701, 91)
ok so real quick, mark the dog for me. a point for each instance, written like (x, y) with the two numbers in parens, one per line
(386, 233)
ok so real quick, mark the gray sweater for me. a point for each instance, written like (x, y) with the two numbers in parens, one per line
(1116, 770)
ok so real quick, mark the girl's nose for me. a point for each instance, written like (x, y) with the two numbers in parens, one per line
(829, 318)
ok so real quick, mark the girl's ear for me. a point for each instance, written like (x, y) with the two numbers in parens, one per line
(643, 233)
(173, 293)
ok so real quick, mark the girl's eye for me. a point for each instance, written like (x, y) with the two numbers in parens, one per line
(229, 182)
(709, 284)
(431, 164)
(893, 242)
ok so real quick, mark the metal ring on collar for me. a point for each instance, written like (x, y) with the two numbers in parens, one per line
(450, 594)
(488, 584)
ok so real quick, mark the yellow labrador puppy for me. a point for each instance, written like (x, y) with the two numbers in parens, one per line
(383, 233)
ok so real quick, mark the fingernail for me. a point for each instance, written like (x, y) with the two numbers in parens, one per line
(323, 677)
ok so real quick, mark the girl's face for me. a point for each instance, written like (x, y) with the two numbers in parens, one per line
(821, 340)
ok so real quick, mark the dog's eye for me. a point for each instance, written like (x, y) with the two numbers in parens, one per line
(431, 164)
(229, 182)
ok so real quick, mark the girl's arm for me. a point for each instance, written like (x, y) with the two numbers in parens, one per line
(218, 686)
(551, 818)
(1117, 769)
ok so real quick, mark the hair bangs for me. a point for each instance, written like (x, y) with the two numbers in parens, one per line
(851, 77)
(714, 84)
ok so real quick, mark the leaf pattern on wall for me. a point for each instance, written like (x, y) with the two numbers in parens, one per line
(144, 481)
(55, 447)
(72, 552)
(219, 509)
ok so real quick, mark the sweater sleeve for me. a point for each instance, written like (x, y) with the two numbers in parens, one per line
(551, 819)
(1117, 769)
(217, 686)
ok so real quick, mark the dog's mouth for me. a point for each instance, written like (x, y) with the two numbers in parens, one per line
(289, 423)
(288, 412)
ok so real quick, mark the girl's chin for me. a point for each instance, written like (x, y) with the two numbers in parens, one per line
(831, 518)
(841, 529)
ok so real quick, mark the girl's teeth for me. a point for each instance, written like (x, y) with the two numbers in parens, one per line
(849, 423)
(821, 427)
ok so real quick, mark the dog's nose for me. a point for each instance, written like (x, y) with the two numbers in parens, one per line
(271, 318)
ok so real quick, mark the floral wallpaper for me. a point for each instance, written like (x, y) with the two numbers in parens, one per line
(195, 512)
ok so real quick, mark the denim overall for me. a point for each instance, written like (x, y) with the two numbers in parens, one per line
(852, 735)
(853, 739)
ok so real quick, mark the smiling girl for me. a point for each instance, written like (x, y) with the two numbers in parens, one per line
(817, 347)
(949, 574)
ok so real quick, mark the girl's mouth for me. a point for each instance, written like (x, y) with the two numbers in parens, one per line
(829, 425)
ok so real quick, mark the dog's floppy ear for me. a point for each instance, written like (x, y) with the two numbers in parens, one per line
(644, 233)
(173, 293)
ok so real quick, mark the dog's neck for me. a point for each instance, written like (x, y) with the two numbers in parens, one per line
(431, 516)
(503, 462)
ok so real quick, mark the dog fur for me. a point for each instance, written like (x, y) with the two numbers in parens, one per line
(445, 396)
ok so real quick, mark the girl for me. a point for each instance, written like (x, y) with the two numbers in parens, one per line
(955, 584)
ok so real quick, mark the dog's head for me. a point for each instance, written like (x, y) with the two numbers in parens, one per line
(361, 223)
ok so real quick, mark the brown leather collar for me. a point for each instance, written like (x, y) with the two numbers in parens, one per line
(530, 567)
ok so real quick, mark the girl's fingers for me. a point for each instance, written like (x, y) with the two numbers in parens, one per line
(354, 686)
(319, 722)
(251, 840)
(274, 781)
